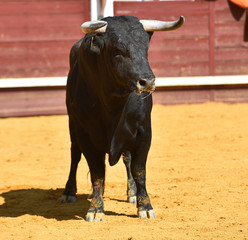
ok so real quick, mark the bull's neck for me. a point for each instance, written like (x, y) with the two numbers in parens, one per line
(104, 92)
(113, 98)
(110, 97)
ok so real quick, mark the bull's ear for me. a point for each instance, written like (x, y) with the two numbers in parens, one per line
(96, 44)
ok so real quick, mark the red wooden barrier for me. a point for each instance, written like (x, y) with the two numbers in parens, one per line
(209, 43)
(36, 36)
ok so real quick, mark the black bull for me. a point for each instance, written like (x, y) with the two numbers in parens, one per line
(109, 105)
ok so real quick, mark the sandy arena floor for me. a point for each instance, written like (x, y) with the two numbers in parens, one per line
(197, 179)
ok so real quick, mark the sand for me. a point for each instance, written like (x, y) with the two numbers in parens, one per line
(197, 179)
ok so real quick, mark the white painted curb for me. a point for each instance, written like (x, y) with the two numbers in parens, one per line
(32, 82)
(202, 81)
(160, 82)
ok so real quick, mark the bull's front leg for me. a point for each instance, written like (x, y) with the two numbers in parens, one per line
(96, 162)
(144, 206)
(138, 169)
(96, 210)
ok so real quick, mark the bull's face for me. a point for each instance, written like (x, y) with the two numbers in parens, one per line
(121, 45)
(125, 55)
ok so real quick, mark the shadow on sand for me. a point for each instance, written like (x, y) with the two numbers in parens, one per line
(45, 203)
(41, 202)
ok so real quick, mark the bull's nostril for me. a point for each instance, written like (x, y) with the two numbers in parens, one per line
(142, 83)
(146, 85)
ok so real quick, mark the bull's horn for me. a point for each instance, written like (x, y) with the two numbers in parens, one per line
(154, 25)
(94, 27)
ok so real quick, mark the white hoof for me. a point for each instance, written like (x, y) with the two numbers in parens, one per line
(142, 214)
(147, 214)
(90, 217)
(98, 217)
(151, 214)
(94, 217)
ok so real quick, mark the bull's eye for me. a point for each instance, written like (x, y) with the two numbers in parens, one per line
(120, 52)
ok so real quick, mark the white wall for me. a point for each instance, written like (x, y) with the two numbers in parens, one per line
(96, 9)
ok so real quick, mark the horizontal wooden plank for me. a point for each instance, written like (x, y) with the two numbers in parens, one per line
(190, 96)
(231, 67)
(32, 102)
(41, 7)
(157, 6)
(37, 1)
(182, 69)
(224, 15)
(221, 4)
(225, 54)
(34, 72)
(38, 49)
(181, 97)
(30, 61)
(230, 41)
(173, 56)
(39, 21)
(229, 28)
(239, 95)
(179, 44)
(45, 34)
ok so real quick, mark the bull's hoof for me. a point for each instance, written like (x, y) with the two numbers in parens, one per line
(147, 214)
(68, 198)
(132, 199)
(94, 217)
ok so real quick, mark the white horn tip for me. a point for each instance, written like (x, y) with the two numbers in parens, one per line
(156, 25)
(182, 19)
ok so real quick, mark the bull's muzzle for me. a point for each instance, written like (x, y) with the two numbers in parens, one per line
(146, 85)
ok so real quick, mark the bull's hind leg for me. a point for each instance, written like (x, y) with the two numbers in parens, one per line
(131, 186)
(70, 191)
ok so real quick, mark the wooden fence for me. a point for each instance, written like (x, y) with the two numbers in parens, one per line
(211, 42)
(36, 36)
